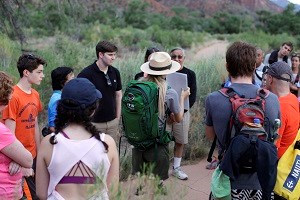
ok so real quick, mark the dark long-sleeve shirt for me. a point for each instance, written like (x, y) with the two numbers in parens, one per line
(192, 84)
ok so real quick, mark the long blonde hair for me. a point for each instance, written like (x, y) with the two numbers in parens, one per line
(162, 86)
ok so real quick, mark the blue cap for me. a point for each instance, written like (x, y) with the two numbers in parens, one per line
(81, 91)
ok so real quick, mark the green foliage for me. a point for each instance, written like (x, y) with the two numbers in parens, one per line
(224, 22)
(8, 52)
(278, 23)
(134, 24)
(264, 40)
(136, 14)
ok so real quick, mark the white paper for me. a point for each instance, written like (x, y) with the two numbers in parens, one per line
(178, 81)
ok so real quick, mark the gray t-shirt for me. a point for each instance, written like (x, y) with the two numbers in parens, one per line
(218, 112)
(172, 103)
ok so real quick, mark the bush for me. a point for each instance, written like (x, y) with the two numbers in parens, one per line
(9, 53)
(263, 40)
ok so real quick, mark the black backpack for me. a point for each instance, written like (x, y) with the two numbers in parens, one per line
(249, 148)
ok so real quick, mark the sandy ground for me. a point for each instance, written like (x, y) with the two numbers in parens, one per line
(207, 50)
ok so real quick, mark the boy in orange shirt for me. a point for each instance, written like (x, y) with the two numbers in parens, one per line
(21, 114)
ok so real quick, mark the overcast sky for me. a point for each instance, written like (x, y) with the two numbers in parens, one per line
(295, 1)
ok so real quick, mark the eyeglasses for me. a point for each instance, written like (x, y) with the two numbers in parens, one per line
(108, 80)
(176, 56)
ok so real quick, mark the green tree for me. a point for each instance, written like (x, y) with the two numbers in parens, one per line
(136, 15)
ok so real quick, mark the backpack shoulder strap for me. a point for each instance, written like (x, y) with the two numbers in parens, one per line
(257, 75)
(229, 93)
(263, 93)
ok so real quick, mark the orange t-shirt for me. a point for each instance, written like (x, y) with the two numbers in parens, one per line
(24, 108)
(289, 107)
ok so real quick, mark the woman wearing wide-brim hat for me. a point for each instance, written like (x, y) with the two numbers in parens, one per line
(158, 66)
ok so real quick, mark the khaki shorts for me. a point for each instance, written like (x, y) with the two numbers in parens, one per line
(110, 128)
(181, 130)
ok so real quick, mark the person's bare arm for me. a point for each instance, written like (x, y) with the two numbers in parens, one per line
(113, 173)
(118, 103)
(17, 152)
(293, 87)
(20, 156)
(14, 167)
(210, 132)
(42, 175)
(37, 135)
(11, 124)
(184, 94)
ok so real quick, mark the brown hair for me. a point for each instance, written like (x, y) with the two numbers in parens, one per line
(105, 46)
(6, 88)
(288, 44)
(241, 59)
(29, 62)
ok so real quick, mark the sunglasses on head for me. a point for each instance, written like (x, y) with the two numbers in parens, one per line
(176, 56)
(28, 57)
(108, 82)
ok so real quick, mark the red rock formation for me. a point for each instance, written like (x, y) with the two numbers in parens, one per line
(209, 7)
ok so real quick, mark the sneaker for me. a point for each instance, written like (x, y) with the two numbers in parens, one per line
(177, 172)
(212, 165)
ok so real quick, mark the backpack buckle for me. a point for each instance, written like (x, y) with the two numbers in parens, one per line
(297, 145)
(253, 139)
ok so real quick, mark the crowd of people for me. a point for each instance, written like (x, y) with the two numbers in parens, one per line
(78, 148)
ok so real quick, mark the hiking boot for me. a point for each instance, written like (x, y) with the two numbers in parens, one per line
(177, 172)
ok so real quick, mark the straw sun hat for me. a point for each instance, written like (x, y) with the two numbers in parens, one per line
(160, 63)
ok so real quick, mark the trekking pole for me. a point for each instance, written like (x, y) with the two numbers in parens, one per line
(120, 140)
(120, 144)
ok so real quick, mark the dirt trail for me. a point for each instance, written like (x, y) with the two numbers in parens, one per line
(197, 187)
(208, 50)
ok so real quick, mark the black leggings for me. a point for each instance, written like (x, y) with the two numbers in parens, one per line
(31, 183)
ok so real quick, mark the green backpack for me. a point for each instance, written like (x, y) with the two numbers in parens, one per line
(140, 116)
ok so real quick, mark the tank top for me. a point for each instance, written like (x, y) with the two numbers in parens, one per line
(67, 153)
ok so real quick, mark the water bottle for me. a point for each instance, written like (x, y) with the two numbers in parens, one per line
(277, 124)
(256, 121)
